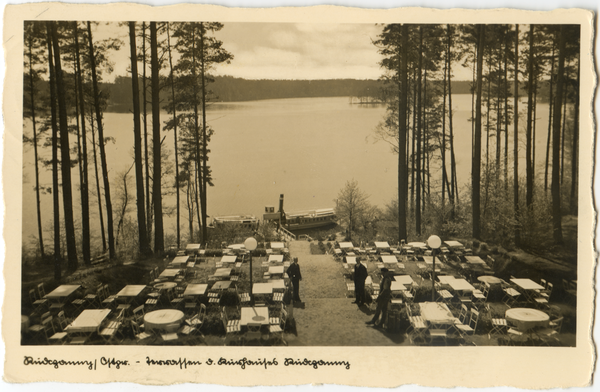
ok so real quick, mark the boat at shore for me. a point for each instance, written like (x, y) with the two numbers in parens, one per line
(300, 220)
(246, 221)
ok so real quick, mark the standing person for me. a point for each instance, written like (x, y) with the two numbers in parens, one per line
(294, 274)
(360, 274)
(385, 293)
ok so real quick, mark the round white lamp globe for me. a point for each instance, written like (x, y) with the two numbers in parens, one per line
(434, 242)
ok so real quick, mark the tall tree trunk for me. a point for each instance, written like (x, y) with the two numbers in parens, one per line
(575, 147)
(516, 140)
(528, 162)
(109, 217)
(198, 165)
(498, 124)
(443, 144)
(65, 157)
(550, 106)
(174, 137)
(98, 193)
(564, 130)
(159, 239)
(84, 186)
(55, 187)
(555, 187)
(534, 130)
(35, 150)
(402, 115)
(454, 187)
(145, 118)
(144, 243)
(487, 121)
(476, 162)
(419, 121)
(413, 141)
(203, 192)
(506, 119)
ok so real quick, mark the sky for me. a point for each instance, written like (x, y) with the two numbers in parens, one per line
(287, 51)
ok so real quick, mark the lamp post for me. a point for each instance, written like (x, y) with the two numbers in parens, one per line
(250, 244)
(434, 242)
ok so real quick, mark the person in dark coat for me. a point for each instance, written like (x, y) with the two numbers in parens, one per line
(360, 274)
(295, 276)
(385, 294)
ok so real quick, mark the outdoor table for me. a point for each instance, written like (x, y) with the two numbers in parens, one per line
(454, 244)
(165, 285)
(178, 261)
(24, 323)
(228, 259)
(193, 289)
(221, 285)
(62, 291)
(417, 244)
(389, 259)
(350, 260)
(192, 248)
(368, 281)
(276, 270)
(382, 245)
(397, 286)
(222, 272)
(337, 251)
(346, 245)
(277, 245)
(275, 259)
(404, 279)
(528, 286)
(262, 291)
(277, 284)
(474, 260)
(160, 319)
(170, 273)
(460, 285)
(237, 246)
(88, 322)
(429, 261)
(436, 314)
(351, 254)
(252, 315)
(489, 279)
(526, 318)
(130, 291)
(444, 279)
(262, 288)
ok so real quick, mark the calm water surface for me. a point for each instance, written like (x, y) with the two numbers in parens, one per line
(305, 148)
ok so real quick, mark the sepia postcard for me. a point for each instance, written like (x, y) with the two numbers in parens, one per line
(290, 196)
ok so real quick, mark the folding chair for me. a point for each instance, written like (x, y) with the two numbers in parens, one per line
(510, 296)
(37, 302)
(60, 323)
(417, 328)
(253, 333)
(138, 333)
(170, 334)
(277, 329)
(468, 329)
(232, 327)
(109, 300)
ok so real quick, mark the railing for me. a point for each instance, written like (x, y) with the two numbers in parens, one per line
(288, 235)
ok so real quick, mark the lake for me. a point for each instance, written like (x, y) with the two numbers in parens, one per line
(304, 148)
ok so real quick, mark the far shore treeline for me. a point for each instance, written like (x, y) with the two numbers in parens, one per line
(231, 89)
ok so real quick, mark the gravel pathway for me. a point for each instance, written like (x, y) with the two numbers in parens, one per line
(327, 317)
